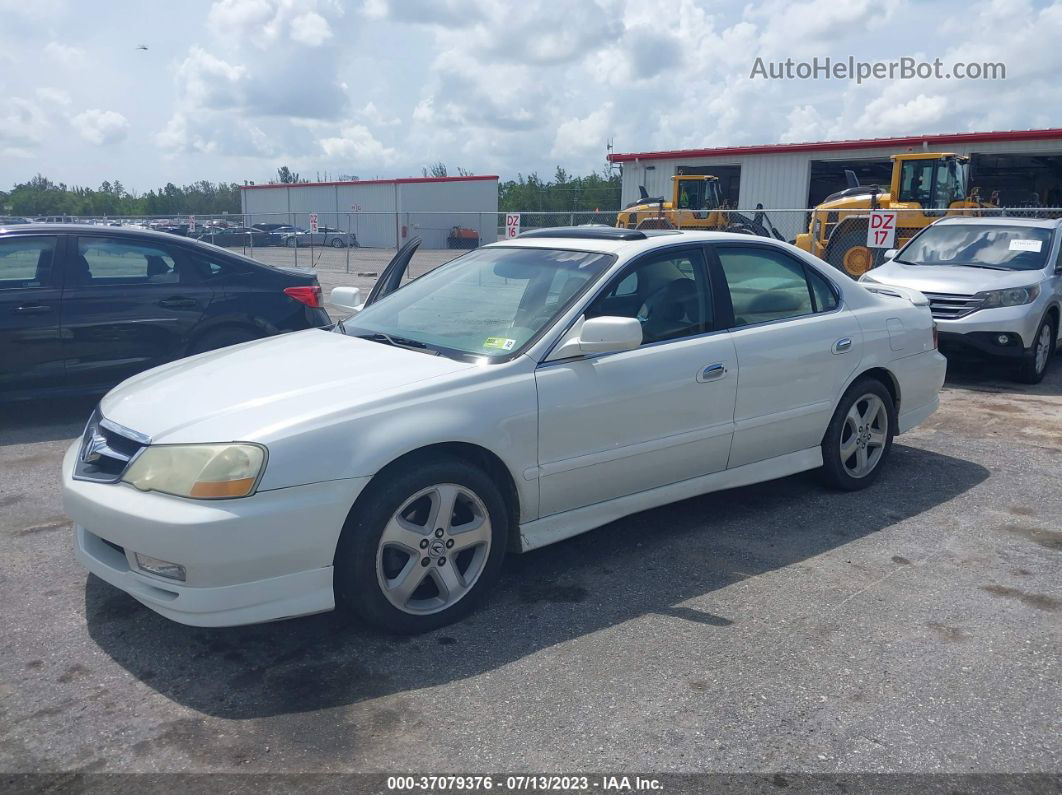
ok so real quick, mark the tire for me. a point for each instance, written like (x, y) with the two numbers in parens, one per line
(868, 441)
(366, 563)
(223, 338)
(337, 243)
(291, 242)
(1037, 359)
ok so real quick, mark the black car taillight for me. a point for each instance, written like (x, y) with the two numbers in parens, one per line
(311, 296)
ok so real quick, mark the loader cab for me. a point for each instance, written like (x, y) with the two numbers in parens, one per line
(934, 182)
(697, 193)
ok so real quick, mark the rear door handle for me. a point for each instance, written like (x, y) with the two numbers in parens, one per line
(712, 372)
(178, 303)
(842, 345)
(33, 309)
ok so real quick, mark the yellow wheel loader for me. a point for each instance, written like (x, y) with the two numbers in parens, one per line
(925, 187)
(696, 203)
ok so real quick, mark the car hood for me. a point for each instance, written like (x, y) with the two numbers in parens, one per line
(261, 389)
(955, 279)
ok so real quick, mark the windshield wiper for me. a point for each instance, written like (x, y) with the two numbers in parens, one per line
(398, 342)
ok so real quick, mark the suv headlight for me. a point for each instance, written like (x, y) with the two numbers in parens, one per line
(199, 471)
(1015, 296)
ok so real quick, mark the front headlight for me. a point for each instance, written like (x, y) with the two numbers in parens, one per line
(199, 471)
(1015, 296)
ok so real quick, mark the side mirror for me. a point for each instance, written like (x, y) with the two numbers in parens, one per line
(891, 253)
(347, 299)
(600, 335)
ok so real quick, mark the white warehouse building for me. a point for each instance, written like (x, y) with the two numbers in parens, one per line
(384, 213)
(1024, 166)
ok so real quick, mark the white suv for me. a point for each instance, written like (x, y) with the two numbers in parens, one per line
(523, 393)
(994, 285)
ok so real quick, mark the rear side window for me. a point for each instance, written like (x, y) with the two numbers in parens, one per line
(26, 261)
(102, 261)
(768, 285)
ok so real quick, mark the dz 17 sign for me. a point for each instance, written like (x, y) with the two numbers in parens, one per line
(881, 233)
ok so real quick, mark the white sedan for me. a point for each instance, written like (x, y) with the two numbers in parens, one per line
(519, 395)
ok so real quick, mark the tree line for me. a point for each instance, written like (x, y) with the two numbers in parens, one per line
(42, 197)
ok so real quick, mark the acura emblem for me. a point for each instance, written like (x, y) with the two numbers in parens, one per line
(92, 444)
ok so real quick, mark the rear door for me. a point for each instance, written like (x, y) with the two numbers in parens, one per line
(128, 304)
(31, 352)
(796, 347)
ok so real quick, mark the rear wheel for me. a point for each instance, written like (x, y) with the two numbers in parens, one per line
(859, 437)
(337, 242)
(422, 547)
(1034, 363)
(291, 242)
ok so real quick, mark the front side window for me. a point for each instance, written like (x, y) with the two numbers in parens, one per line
(490, 302)
(104, 261)
(666, 292)
(26, 261)
(1002, 247)
(767, 285)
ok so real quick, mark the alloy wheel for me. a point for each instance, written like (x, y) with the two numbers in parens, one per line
(1043, 347)
(433, 549)
(864, 435)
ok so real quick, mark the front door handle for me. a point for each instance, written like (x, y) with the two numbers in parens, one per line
(712, 372)
(178, 303)
(842, 345)
(33, 309)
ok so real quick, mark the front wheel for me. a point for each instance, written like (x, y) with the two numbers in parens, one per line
(859, 437)
(1033, 366)
(422, 546)
(337, 242)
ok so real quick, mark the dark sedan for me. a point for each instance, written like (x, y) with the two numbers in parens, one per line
(238, 237)
(83, 308)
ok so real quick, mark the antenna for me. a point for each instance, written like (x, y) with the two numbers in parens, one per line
(609, 150)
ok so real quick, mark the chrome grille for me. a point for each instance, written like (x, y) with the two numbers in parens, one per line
(946, 306)
(106, 450)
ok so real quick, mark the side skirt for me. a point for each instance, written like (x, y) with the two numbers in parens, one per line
(550, 529)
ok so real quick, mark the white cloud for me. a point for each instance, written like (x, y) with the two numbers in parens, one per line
(23, 125)
(101, 127)
(65, 54)
(54, 96)
(357, 146)
(310, 29)
(577, 137)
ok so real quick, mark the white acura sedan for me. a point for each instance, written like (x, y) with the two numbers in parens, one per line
(526, 392)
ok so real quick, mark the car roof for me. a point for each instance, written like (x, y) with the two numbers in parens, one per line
(611, 245)
(1042, 223)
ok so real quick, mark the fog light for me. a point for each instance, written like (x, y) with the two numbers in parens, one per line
(163, 568)
(1003, 339)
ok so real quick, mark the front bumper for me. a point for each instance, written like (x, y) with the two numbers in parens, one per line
(1022, 321)
(982, 343)
(260, 558)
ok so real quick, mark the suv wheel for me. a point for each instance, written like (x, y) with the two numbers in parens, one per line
(859, 437)
(1034, 363)
(423, 546)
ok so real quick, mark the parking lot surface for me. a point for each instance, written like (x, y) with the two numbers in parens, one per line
(914, 626)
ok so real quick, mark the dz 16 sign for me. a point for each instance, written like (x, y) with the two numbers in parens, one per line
(512, 224)
(313, 222)
(881, 233)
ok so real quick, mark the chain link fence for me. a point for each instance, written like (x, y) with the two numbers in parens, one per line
(849, 239)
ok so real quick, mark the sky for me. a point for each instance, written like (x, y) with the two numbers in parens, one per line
(229, 90)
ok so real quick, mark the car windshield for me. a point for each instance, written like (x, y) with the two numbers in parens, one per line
(1017, 248)
(490, 302)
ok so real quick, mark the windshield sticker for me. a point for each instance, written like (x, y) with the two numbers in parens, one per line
(499, 343)
(1025, 245)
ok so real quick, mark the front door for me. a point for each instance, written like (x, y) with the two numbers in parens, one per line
(796, 347)
(128, 305)
(31, 353)
(620, 423)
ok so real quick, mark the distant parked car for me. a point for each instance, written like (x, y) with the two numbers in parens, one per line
(994, 286)
(237, 236)
(13, 220)
(84, 307)
(324, 236)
